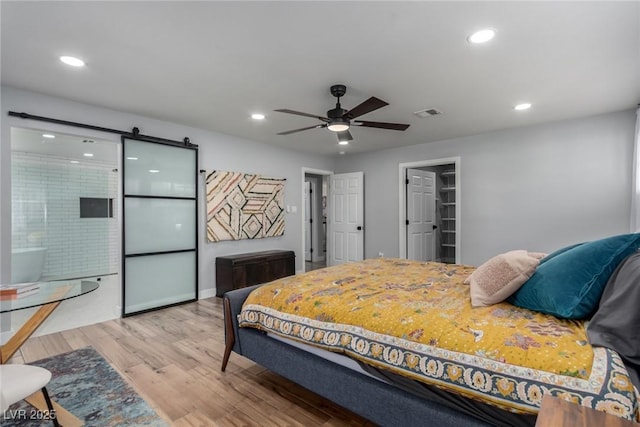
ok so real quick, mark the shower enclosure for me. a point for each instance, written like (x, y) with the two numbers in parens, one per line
(64, 206)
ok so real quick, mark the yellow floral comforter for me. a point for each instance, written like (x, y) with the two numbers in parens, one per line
(416, 319)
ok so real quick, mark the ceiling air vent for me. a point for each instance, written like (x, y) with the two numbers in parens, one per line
(428, 112)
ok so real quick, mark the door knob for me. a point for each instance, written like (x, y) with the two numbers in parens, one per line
(359, 228)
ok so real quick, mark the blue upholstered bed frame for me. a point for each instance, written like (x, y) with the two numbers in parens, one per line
(376, 401)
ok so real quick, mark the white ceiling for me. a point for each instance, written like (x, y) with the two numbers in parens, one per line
(72, 147)
(212, 64)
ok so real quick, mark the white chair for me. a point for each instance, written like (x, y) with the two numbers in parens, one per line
(20, 381)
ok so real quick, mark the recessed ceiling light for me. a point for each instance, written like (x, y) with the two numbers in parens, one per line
(132, 158)
(523, 106)
(74, 161)
(257, 116)
(154, 170)
(482, 36)
(341, 153)
(73, 61)
(88, 154)
(343, 142)
(48, 135)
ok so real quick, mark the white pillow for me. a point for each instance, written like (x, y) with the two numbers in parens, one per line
(495, 280)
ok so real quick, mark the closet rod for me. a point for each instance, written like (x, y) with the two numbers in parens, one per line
(135, 132)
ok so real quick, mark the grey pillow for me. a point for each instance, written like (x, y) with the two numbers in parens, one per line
(616, 323)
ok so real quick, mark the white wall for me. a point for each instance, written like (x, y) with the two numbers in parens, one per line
(216, 151)
(537, 188)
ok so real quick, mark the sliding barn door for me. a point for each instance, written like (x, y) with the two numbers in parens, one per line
(160, 249)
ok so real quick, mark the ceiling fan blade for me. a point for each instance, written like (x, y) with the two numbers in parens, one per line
(380, 125)
(301, 129)
(367, 106)
(299, 113)
(344, 136)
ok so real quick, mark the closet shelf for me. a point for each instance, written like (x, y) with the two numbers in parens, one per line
(447, 220)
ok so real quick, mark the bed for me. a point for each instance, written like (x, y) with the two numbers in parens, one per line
(399, 342)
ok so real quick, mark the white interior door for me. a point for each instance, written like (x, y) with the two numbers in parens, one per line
(345, 222)
(307, 221)
(421, 214)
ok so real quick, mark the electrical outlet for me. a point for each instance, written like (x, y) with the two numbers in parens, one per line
(380, 254)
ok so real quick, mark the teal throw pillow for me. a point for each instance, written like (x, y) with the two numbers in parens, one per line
(569, 282)
(559, 252)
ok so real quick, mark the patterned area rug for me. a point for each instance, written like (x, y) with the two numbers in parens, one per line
(86, 385)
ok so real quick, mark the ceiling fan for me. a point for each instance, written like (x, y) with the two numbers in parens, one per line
(339, 120)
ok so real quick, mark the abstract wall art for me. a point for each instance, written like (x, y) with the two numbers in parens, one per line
(243, 206)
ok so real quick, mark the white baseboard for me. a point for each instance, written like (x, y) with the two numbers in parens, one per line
(207, 293)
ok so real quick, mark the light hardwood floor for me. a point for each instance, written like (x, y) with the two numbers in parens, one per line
(172, 358)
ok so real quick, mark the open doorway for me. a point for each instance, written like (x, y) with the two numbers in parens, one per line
(315, 219)
(429, 194)
(339, 230)
(65, 204)
(66, 221)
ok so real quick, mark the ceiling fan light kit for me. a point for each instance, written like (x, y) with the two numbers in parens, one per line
(338, 125)
(339, 120)
(344, 137)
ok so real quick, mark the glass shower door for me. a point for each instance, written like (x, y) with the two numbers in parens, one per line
(159, 225)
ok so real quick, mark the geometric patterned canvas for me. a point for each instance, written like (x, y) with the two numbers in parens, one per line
(243, 206)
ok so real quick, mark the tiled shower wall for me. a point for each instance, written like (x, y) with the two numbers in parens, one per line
(45, 202)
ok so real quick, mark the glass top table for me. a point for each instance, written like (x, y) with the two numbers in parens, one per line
(49, 292)
(48, 297)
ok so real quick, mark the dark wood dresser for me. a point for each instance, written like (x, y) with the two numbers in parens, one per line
(241, 270)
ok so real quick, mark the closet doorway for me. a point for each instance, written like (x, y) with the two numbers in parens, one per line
(429, 194)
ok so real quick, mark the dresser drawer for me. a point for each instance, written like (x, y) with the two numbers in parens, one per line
(247, 269)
